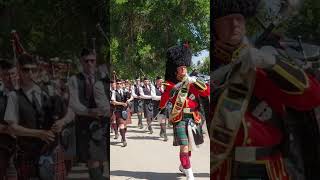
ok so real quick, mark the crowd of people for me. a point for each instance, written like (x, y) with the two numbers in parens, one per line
(136, 97)
(39, 102)
(177, 100)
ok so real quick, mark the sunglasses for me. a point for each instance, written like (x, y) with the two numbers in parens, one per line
(89, 60)
(27, 69)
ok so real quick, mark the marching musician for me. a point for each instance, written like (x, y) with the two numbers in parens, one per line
(159, 90)
(146, 94)
(102, 99)
(127, 91)
(30, 114)
(120, 100)
(113, 119)
(181, 96)
(137, 102)
(91, 142)
(7, 141)
(265, 123)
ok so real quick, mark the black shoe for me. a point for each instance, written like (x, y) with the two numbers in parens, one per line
(150, 130)
(165, 138)
(116, 136)
(161, 134)
(124, 143)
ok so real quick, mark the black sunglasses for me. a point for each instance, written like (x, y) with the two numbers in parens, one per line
(89, 60)
(27, 69)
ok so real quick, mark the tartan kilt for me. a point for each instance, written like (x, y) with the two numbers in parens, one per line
(90, 139)
(155, 108)
(137, 106)
(4, 162)
(68, 140)
(119, 118)
(148, 109)
(112, 117)
(180, 133)
(60, 166)
(129, 120)
(27, 165)
(54, 169)
(131, 106)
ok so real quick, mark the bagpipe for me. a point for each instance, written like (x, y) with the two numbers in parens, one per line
(293, 50)
(168, 104)
(55, 108)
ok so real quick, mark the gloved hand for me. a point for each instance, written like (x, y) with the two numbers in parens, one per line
(191, 79)
(251, 58)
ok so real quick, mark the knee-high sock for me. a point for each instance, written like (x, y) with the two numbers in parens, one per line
(113, 126)
(185, 160)
(116, 130)
(95, 174)
(123, 134)
(163, 127)
(101, 168)
(149, 123)
(140, 119)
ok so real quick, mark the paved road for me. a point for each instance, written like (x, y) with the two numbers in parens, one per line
(148, 157)
(80, 172)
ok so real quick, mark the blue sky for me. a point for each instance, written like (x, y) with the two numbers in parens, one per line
(201, 55)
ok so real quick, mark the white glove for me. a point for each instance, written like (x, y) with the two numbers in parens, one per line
(191, 79)
(251, 58)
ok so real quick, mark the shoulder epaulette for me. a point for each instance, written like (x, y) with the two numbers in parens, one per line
(201, 85)
(288, 77)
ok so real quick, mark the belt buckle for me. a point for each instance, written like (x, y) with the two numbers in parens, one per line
(186, 110)
(245, 154)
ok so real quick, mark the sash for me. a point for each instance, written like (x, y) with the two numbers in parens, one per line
(179, 103)
(229, 114)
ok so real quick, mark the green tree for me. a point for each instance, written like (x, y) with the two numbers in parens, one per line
(53, 28)
(306, 23)
(141, 31)
(204, 67)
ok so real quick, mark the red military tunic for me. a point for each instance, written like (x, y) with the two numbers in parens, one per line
(258, 133)
(191, 101)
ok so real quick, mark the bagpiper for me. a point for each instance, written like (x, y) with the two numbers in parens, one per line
(120, 101)
(113, 127)
(159, 90)
(102, 99)
(128, 93)
(264, 122)
(91, 143)
(7, 139)
(180, 98)
(137, 102)
(36, 119)
(146, 94)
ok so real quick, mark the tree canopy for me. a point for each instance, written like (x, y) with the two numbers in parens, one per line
(53, 28)
(141, 32)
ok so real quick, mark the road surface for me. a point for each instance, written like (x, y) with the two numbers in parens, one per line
(148, 157)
